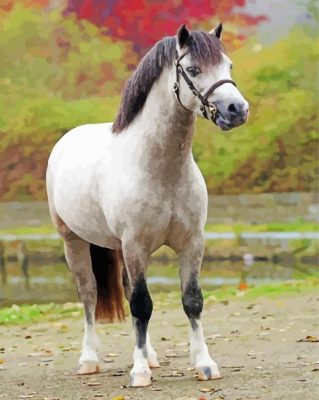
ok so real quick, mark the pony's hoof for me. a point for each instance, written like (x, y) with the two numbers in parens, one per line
(88, 368)
(208, 373)
(153, 361)
(140, 379)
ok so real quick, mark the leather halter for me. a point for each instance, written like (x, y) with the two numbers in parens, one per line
(203, 98)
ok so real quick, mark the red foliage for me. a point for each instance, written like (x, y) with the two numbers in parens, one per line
(143, 22)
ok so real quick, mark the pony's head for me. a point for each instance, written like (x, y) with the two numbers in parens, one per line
(202, 80)
(198, 72)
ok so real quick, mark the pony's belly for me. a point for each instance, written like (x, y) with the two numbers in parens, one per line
(99, 238)
(88, 222)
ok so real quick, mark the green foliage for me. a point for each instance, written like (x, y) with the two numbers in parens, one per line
(276, 150)
(54, 75)
(57, 73)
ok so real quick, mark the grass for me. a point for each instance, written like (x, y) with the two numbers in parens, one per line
(25, 230)
(269, 290)
(271, 227)
(27, 314)
(37, 313)
(237, 228)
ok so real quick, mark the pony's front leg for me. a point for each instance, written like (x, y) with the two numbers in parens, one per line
(151, 353)
(77, 253)
(190, 260)
(141, 306)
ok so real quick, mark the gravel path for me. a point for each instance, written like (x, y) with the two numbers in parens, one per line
(256, 345)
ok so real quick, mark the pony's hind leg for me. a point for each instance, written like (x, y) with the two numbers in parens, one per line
(190, 260)
(77, 254)
(141, 307)
(151, 353)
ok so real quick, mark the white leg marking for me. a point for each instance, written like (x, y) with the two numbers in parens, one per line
(205, 365)
(89, 362)
(140, 374)
(151, 354)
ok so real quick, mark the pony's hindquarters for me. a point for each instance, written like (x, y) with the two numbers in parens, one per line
(107, 270)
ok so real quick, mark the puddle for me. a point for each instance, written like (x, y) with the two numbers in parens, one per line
(54, 282)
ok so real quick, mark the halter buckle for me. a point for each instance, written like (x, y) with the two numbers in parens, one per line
(212, 110)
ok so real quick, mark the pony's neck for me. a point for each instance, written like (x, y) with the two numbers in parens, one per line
(167, 128)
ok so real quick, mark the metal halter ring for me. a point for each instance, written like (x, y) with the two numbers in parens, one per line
(212, 110)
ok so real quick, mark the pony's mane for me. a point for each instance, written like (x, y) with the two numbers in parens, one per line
(204, 49)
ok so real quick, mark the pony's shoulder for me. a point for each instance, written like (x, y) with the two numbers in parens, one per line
(88, 132)
(86, 138)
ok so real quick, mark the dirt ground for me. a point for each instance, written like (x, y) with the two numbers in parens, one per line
(256, 345)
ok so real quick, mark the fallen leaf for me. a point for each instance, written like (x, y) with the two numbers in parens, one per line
(164, 339)
(243, 286)
(108, 359)
(156, 389)
(118, 398)
(172, 374)
(113, 354)
(171, 355)
(1, 361)
(118, 373)
(94, 384)
(51, 398)
(186, 398)
(209, 390)
(182, 344)
(309, 338)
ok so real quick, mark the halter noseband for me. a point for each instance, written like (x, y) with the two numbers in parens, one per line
(203, 98)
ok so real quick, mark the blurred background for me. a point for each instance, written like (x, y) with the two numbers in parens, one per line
(64, 63)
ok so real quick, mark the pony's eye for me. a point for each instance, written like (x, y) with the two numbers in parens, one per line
(193, 71)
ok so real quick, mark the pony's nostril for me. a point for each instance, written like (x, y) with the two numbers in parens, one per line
(232, 108)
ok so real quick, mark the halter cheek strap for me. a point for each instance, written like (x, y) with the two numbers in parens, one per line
(206, 105)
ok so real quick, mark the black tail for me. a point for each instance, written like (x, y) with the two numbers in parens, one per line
(108, 274)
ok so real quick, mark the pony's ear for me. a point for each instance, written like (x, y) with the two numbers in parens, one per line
(182, 36)
(217, 31)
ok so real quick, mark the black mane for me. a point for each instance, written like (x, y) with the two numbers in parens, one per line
(204, 49)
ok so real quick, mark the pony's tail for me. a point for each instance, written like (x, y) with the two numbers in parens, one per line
(108, 274)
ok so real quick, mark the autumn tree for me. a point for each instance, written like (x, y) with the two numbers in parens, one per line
(143, 22)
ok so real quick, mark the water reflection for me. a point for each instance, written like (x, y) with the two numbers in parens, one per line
(54, 282)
